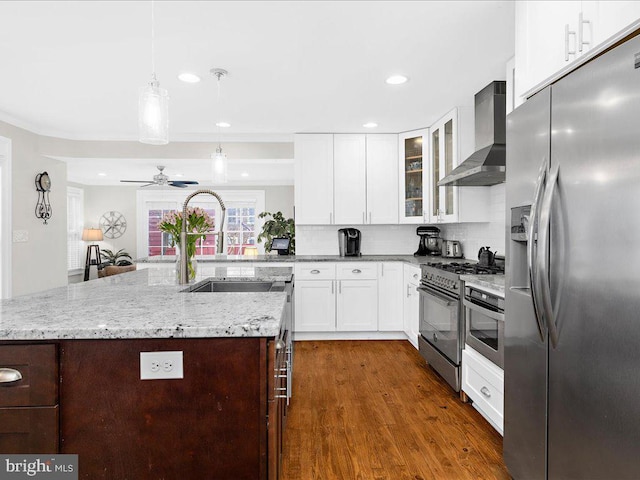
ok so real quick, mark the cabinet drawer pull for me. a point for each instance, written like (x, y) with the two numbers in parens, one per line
(485, 391)
(415, 275)
(356, 270)
(315, 272)
(9, 375)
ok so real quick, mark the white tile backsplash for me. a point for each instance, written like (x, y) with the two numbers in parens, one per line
(402, 239)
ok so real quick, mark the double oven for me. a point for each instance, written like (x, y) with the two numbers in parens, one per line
(443, 307)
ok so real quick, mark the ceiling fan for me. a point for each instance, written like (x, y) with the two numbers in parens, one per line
(162, 179)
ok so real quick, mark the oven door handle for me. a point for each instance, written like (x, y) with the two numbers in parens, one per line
(444, 301)
(484, 311)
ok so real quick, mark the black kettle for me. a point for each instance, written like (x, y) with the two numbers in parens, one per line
(486, 257)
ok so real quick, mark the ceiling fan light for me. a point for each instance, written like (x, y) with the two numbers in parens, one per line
(219, 167)
(153, 114)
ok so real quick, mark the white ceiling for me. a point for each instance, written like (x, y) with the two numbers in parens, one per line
(73, 69)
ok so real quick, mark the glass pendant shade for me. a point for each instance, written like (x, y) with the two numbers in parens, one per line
(153, 114)
(219, 167)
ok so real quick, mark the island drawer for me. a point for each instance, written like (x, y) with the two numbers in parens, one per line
(29, 430)
(315, 271)
(38, 366)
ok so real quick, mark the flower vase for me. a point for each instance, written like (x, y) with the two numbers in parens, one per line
(192, 266)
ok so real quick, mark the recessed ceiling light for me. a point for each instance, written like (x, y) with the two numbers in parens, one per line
(396, 80)
(189, 77)
(244, 174)
(102, 174)
(370, 125)
(223, 124)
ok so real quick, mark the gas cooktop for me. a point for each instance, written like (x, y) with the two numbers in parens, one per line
(467, 268)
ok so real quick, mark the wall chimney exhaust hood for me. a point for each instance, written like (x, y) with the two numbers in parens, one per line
(487, 166)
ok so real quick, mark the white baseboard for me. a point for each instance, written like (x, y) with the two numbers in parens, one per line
(303, 336)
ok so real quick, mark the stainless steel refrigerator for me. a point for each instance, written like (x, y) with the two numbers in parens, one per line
(572, 327)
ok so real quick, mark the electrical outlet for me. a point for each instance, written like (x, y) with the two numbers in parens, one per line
(160, 365)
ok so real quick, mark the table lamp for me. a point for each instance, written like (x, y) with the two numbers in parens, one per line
(91, 235)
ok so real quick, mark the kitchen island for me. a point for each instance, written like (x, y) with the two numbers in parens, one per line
(79, 351)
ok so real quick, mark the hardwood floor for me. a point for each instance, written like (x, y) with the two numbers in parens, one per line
(374, 410)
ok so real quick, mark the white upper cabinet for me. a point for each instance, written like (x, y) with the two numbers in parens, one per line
(382, 179)
(346, 179)
(349, 179)
(452, 141)
(314, 179)
(444, 155)
(413, 150)
(551, 37)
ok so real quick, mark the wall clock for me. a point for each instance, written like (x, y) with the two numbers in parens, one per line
(113, 224)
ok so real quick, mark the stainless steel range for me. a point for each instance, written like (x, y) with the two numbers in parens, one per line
(442, 315)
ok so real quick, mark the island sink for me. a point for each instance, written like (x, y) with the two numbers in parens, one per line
(210, 285)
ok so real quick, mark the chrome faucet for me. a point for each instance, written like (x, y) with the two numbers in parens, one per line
(184, 272)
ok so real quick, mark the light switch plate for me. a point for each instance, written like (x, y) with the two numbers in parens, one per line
(20, 236)
(161, 365)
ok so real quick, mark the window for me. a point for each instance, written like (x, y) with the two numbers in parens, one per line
(75, 221)
(241, 225)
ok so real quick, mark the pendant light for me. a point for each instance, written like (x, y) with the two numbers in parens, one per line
(219, 164)
(153, 104)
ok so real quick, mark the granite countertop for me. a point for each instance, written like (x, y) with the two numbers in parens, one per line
(146, 304)
(489, 283)
(307, 258)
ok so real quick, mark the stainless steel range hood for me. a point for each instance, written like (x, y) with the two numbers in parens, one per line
(487, 165)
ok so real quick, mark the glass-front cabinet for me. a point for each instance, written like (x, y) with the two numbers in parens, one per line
(444, 158)
(414, 166)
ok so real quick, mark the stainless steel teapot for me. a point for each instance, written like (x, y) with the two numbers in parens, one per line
(486, 257)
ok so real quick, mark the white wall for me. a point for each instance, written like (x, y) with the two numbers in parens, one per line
(402, 239)
(476, 235)
(39, 263)
(100, 200)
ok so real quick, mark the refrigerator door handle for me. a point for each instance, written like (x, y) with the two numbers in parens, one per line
(532, 245)
(542, 259)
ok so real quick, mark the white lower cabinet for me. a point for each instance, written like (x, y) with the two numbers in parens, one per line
(356, 306)
(483, 382)
(315, 297)
(390, 297)
(334, 297)
(315, 306)
(411, 303)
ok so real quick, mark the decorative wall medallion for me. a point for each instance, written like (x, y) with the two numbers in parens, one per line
(113, 224)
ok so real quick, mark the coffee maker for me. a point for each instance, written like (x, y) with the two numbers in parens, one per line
(349, 242)
(430, 241)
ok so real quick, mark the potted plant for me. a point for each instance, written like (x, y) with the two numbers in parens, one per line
(110, 258)
(114, 263)
(277, 227)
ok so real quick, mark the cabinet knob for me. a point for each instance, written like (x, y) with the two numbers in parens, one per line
(435, 337)
(315, 272)
(9, 375)
(356, 270)
(485, 391)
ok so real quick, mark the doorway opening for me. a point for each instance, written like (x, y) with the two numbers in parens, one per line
(5, 217)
